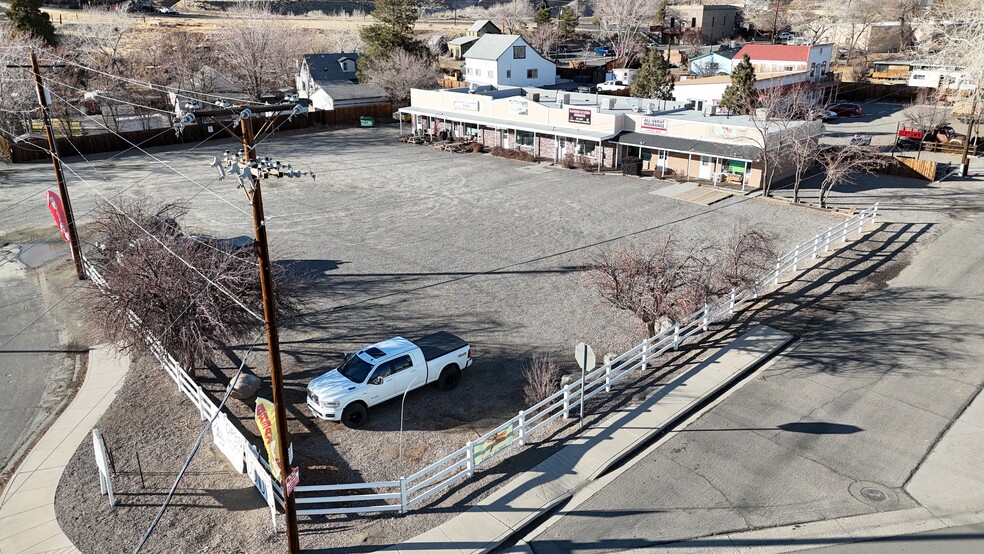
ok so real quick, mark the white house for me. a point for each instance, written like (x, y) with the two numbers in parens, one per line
(784, 58)
(507, 60)
(330, 81)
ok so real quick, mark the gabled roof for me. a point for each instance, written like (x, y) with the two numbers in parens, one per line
(461, 41)
(491, 47)
(326, 67)
(478, 24)
(775, 52)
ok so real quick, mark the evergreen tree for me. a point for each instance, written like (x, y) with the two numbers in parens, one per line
(567, 22)
(542, 14)
(27, 17)
(393, 30)
(653, 80)
(741, 96)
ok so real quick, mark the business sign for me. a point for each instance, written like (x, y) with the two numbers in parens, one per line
(262, 481)
(498, 442)
(519, 107)
(229, 441)
(58, 212)
(653, 125)
(725, 132)
(268, 430)
(576, 115)
(292, 480)
(470, 105)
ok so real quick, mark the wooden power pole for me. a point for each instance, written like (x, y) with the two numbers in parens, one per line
(273, 335)
(73, 236)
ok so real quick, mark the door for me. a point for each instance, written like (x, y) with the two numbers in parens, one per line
(505, 139)
(705, 168)
(390, 378)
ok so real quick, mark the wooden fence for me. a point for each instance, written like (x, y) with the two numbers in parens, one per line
(36, 148)
(877, 91)
(910, 168)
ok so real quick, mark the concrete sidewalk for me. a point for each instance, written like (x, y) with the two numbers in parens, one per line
(27, 506)
(530, 494)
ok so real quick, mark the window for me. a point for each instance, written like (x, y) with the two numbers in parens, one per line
(519, 52)
(395, 365)
(787, 68)
(471, 130)
(490, 74)
(508, 74)
(524, 138)
(813, 69)
(693, 22)
(532, 73)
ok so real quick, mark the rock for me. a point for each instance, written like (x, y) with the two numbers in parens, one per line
(245, 386)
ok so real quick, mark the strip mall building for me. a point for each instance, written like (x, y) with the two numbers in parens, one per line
(670, 137)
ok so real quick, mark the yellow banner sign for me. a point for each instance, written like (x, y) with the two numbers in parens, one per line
(266, 421)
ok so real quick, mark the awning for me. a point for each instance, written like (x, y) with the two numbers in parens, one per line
(586, 134)
(743, 152)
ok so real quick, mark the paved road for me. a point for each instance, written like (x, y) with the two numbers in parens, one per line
(880, 381)
(966, 539)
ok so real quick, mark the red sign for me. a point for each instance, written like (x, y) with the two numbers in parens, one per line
(575, 115)
(58, 212)
(292, 480)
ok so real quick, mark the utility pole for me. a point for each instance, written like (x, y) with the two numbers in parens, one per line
(73, 235)
(273, 335)
(971, 122)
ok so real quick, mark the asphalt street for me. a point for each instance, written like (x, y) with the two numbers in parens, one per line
(965, 539)
(836, 427)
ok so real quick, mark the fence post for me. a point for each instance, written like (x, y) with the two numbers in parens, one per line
(470, 467)
(522, 428)
(403, 495)
(778, 265)
(796, 258)
(608, 377)
(567, 402)
(645, 354)
(826, 239)
(844, 234)
(731, 306)
(816, 246)
(201, 403)
(704, 320)
(676, 335)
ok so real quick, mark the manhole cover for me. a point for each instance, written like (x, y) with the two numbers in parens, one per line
(874, 494)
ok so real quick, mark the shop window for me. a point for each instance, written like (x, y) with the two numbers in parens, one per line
(524, 139)
(471, 130)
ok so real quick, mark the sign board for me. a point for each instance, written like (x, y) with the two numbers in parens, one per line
(726, 132)
(292, 480)
(653, 125)
(58, 212)
(229, 441)
(262, 481)
(577, 115)
(470, 105)
(585, 357)
(102, 462)
(498, 442)
(519, 107)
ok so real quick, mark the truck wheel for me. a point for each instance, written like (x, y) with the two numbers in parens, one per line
(355, 415)
(449, 378)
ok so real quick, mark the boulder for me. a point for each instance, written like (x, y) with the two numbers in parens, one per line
(245, 386)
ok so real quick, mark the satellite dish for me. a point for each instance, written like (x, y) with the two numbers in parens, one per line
(651, 107)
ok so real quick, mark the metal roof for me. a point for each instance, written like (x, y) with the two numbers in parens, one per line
(775, 52)
(742, 152)
(498, 123)
(462, 40)
(491, 47)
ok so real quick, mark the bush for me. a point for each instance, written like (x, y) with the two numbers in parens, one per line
(513, 154)
(542, 376)
(569, 162)
(498, 151)
(475, 148)
(586, 164)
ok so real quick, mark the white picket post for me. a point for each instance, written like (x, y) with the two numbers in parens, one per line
(826, 239)
(796, 258)
(522, 428)
(731, 306)
(403, 495)
(704, 320)
(608, 377)
(816, 246)
(470, 467)
(567, 402)
(844, 234)
(778, 265)
(676, 336)
(645, 354)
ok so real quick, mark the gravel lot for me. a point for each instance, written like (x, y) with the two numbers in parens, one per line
(405, 240)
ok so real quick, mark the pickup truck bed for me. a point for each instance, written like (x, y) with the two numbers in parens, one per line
(436, 345)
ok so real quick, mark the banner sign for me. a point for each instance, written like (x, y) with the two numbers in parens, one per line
(229, 441)
(493, 445)
(268, 430)
(58, 212)
(470, 105)
(292, 480)
(575, 115)
(653, 125)
(519, 107)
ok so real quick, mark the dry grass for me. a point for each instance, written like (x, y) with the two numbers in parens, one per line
(542, 376)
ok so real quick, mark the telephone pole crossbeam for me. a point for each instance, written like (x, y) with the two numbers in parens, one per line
(273, 336)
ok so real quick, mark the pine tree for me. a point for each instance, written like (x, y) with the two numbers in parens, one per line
(393, 30)
(567, 22)
(741, 96)
(654, 79)
(542, 14)
(27, 17)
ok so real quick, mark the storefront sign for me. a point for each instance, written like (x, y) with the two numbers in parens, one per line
(229, 441)
(494, 444)
(653, 125)
(575, 115)
(725, 132)
(470, 105)
(519, 107)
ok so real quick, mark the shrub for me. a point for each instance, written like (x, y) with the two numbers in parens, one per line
(569, 162)
(498, 151)
(586, 164)
(475, 148)
(513, 154)
(542, 376)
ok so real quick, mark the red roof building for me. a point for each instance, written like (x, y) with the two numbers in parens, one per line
(780, 58)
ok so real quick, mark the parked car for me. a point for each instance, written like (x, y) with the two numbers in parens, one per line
(612, 86)
(861, 140)
(589, 89)
(604, 51)
(846, 109)
(168, 11)
(912, 138)
(827, 115)
(786, 35)
(386, 370)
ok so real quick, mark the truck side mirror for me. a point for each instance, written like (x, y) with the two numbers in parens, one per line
(376, 381)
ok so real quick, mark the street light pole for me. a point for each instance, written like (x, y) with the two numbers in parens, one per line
(402, 404)
(273, 336)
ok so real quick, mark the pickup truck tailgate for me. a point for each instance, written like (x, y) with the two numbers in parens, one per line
(439, 344)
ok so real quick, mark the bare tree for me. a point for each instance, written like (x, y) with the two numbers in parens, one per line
(769, 16)
(619, 23)
(842, 164)
(778, 127)
(927, 116)
(401, 71)
(104, 38)
(747, 254)
(694, 41)
(813, 24)
(17, 96)
(542, 376)
(544, 39)
(259, 49)
(145, 258)
(513, 16)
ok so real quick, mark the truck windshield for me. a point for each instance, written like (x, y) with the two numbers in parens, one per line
(355, 369)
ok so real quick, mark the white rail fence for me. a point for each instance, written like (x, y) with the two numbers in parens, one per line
(409, 492)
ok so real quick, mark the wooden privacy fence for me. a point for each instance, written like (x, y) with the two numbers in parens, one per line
(910, 168)
(879, 91)
(410, 491)
(36, 148)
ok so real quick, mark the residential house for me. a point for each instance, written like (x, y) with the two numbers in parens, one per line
(784, 58)
(712, 22)
(507, 60)
(670, 137)
(331, 81)
(457, 47)
(713, 63)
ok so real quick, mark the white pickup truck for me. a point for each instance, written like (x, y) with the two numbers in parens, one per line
(386, 370)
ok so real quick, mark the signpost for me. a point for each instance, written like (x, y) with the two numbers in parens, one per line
(292, 480)
(585, 357)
